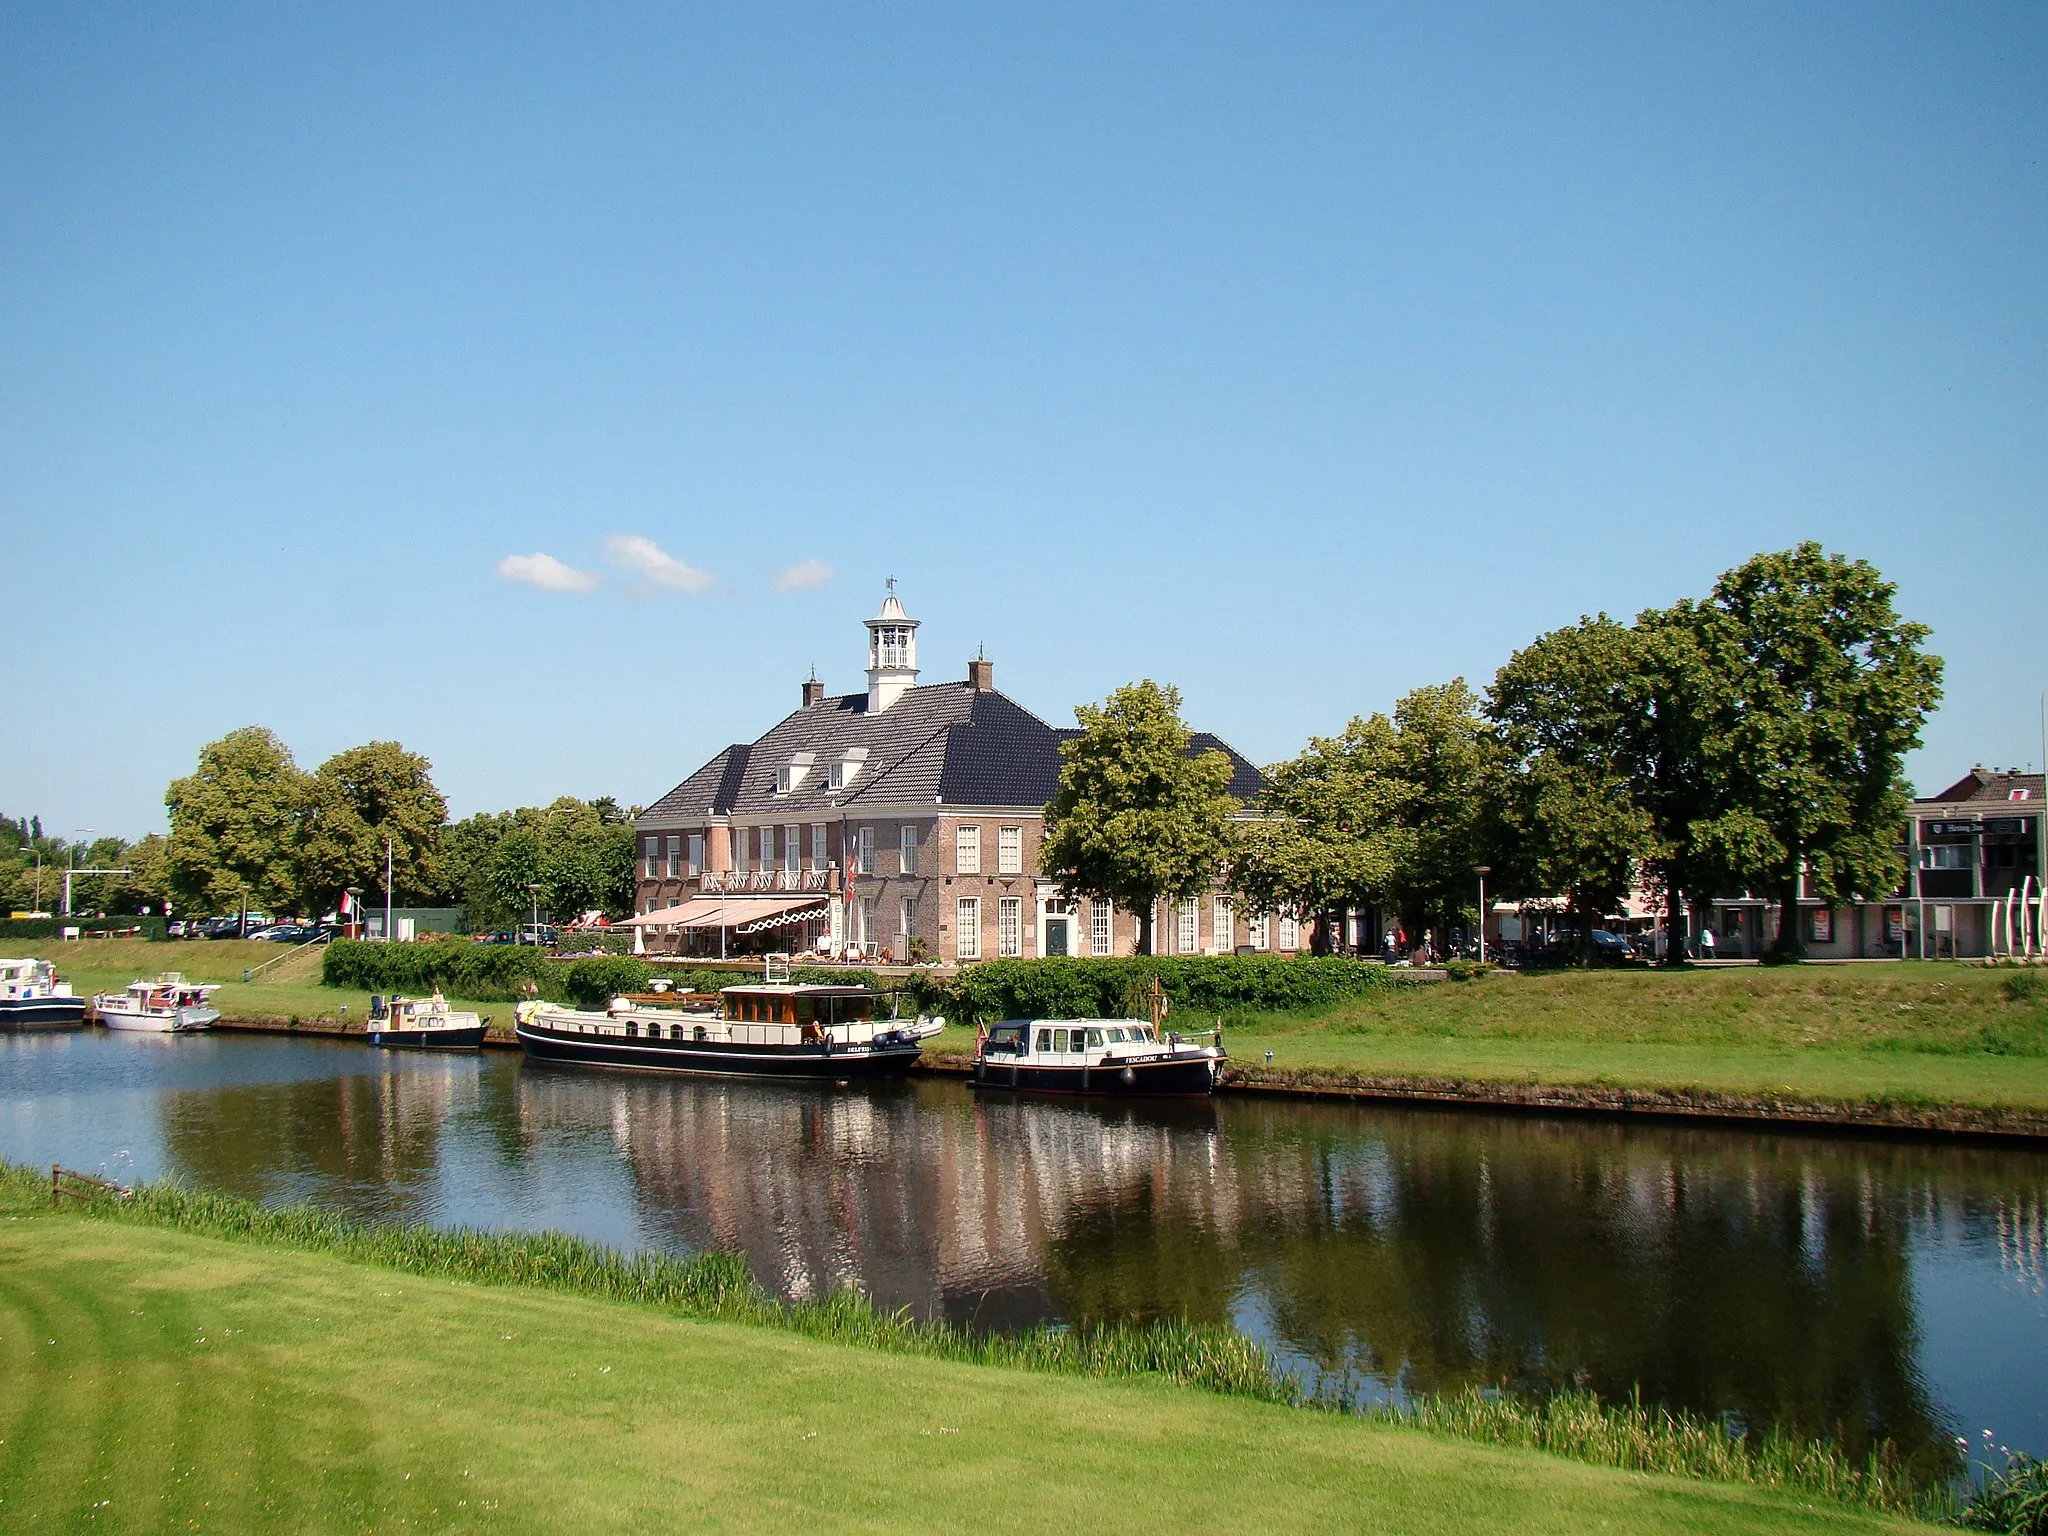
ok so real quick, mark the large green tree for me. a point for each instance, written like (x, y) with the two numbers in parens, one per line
(355, 801)
(234, 826)
(1611, 719)
(1823, 690)
(1328, 835)
(1139, 816)
(579, 852)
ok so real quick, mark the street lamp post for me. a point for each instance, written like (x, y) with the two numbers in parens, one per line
(534, 891)
(71, 865)
(1482, 870)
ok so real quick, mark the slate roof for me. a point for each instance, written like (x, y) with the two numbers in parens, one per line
(943, 742)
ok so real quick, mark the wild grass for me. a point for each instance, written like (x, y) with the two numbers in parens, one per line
(1222, 1361)
(2012, 1499)
(1640, 1438)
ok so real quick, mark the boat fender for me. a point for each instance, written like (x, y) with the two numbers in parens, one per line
(1128, 1076)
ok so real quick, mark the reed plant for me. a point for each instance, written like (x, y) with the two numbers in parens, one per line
(1639, 1437)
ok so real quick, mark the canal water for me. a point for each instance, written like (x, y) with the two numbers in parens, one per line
(1863, 1288)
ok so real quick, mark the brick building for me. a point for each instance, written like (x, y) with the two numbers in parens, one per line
(899, 823)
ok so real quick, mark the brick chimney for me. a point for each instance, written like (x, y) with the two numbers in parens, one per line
(981, 675)
(814, 692)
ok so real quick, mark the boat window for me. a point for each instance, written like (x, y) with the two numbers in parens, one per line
(1059, 1039)
(654, 1031)
(806, 1010)
(1045, 1039)
(700, 1031)
(1007, 1038)
(1094, 1037)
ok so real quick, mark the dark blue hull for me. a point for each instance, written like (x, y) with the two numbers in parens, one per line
(791, 1063)
(468, 1039)
(41, 1012)
(1183, 1076)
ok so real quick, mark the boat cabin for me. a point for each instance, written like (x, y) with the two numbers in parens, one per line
(797, 1004)
(1067, 1040)
(27, 978)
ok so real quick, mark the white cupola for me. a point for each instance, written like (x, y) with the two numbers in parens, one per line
(892, 653)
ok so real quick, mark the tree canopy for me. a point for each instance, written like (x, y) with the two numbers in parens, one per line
(234, 826)
(1139, 816)
(1821, 691)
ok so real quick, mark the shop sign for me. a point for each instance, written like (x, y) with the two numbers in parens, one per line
(1953, 828)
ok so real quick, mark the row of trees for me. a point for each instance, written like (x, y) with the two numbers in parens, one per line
(32, 865)
(1740, 741)
(250, 829)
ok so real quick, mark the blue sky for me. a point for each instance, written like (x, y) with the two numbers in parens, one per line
(1295, 355)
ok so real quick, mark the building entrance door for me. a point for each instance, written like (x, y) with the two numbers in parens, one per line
(1056, 935)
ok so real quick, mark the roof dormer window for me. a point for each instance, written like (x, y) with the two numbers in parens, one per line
(843, 772)
(792, 773)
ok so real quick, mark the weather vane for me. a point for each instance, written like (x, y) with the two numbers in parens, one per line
(891, 583)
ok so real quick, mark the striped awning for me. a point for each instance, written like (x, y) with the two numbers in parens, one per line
(733, 912)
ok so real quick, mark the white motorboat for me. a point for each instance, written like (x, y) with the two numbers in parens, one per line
(424, 1023)
(169, 1005)
(31, 997)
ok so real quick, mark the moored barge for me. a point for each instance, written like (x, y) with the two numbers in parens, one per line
(776, 1028)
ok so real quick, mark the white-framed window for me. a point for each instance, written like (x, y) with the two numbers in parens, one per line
(967, 928)
(674, 855)
(696, 864)
(739, 849)
(1187, 920)
(1100, 941)
(967, 850)
(817, 845)
(1010, 851)
(767, 848)
(864, 842)
(865, 916)
(1010, 927)
(1222, 925)
(653, 852)
(906, 847)
(906, 921)
(792, 848)
(1290, 933)
(1259, 932)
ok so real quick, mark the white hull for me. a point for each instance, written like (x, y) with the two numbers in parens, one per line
(177, 1021)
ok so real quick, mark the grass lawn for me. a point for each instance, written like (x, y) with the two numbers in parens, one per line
(152, 1380)
(292, 986)
(1915, 1030)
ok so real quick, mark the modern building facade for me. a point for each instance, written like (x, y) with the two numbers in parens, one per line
(1970, 850)
(901, 823)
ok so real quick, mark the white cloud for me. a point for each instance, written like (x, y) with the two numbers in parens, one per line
(654, 565)
(802, 577)
(547, 573)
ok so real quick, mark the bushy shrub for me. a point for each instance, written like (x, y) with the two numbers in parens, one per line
(1120, 988)
(53, 927)
(594, 983)
(2025, 986)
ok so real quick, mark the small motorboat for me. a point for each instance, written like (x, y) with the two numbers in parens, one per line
(169, 1005)
(1096, 1056)
(424, 1024)
(31, 997)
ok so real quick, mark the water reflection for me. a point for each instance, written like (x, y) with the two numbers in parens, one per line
(1864, 1289)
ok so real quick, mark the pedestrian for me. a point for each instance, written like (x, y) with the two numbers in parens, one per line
(1707, 942)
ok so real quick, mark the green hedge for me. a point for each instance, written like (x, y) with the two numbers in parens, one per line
(500, 972)
(1097, 989)
(485, 972)
(53, 927)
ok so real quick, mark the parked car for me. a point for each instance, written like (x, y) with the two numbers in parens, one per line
(230, 927)
(1611, 948)
(492, 938)
(287, 933)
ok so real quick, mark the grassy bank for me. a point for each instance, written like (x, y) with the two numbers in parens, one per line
(292, 987)
(157, 1378)
(1915, 1032)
